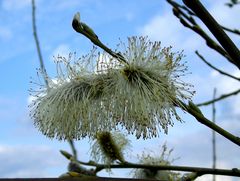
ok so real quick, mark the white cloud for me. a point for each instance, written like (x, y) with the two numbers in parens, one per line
(167, 29)
(226, 84)
(62, 50)
(210, 178)
(29, 161)
(214, 73)
(30, 99)
(225, 15)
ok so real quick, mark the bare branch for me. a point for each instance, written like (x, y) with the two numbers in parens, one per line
(218, 70)
(42, 67)
(199, 170)
(219, 98)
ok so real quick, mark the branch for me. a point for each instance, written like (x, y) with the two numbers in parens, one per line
(219, 98)
(192, 109)
(42, 67)
(218, 70)
(199, 170)
(215, 28)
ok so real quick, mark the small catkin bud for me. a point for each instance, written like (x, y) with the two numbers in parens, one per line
(109, 146)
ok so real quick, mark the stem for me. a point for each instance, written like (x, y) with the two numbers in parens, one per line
(200, 117)
(215, 28)
(42, 67)
(95, 40)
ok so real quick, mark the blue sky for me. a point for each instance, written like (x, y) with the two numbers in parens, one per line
(27, 153)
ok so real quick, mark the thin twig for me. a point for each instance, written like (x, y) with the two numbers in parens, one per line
(197, 7)
(218, 70)
(74, 151)
(191, 13)
(178, 6)
(219, 98)
(214, 134)
(232, 3)
(235, 31)
(42, 67)
(178, 12)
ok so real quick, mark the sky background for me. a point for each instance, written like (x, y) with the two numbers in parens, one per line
(24, 152)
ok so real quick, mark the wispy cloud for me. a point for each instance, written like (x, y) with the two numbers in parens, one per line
(29, 161)
(167, 29)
